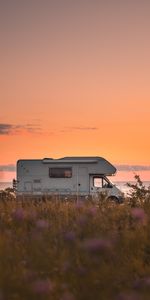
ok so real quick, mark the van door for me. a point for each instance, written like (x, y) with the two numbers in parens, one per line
(83, 181)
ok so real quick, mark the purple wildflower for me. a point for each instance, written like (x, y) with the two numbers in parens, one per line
(92, 211)
(81, 271)
(147, 281)
(128, 296)
(97, 245)
(42, 286)
(141, 283)
(70, 236)
(19, 214)
(82, 220)
(68, 296)
(29, 275)
(79, 205)
(139, 215)
(66, 266)
(42, 224)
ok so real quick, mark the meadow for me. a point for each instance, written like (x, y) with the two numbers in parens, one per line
(68, 250)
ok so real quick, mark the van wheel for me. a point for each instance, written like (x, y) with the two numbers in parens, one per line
(113, 198)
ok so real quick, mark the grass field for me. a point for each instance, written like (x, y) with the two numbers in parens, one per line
(64, 250)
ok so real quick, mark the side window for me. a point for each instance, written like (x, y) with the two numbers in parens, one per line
(60, 172)
(101, 182)
(98, 182)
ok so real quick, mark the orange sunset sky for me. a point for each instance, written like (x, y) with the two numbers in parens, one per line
(75, 80)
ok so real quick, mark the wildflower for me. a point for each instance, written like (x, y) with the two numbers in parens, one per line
(139, 215)
(141, 283)
(66, 266)
(96, 245)
(128, 296)
(42, 224)
(70, 236)
(147, 281)
(42, 286)
(19, 214)
(82, 220)
(79, 205)
(68, 296)
(81, 271)
(92, 211)
(29, 276)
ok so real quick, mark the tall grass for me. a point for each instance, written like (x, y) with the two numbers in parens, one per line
(67, 250)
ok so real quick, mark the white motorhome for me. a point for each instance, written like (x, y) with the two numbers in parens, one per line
(79, 176)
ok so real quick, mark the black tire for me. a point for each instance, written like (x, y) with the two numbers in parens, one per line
(113, 198)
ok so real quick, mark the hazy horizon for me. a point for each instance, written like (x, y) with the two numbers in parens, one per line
(124, 173)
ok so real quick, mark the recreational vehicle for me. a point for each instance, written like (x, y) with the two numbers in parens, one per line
(81, 176)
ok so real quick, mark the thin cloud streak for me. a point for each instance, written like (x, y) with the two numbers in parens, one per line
(11, 129)
(5, 129)
(132, 168)
(8, 168)
(81, 128)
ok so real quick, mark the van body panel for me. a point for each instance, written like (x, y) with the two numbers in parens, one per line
(65, 176)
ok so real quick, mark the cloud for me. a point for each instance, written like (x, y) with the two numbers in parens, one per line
(5, 129)
(82, 128)
(8, 168)
(132, 168)
(13, 129)
(10, 129)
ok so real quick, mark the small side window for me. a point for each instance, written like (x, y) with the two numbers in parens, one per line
(60, 172)
(98, 182)
(101, 182)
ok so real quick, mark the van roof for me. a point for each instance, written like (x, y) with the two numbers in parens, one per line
(106, 167)
(74, 159)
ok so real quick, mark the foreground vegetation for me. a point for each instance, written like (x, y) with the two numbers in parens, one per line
(65, 250)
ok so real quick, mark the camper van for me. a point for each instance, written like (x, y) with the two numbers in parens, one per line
(80, 176)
